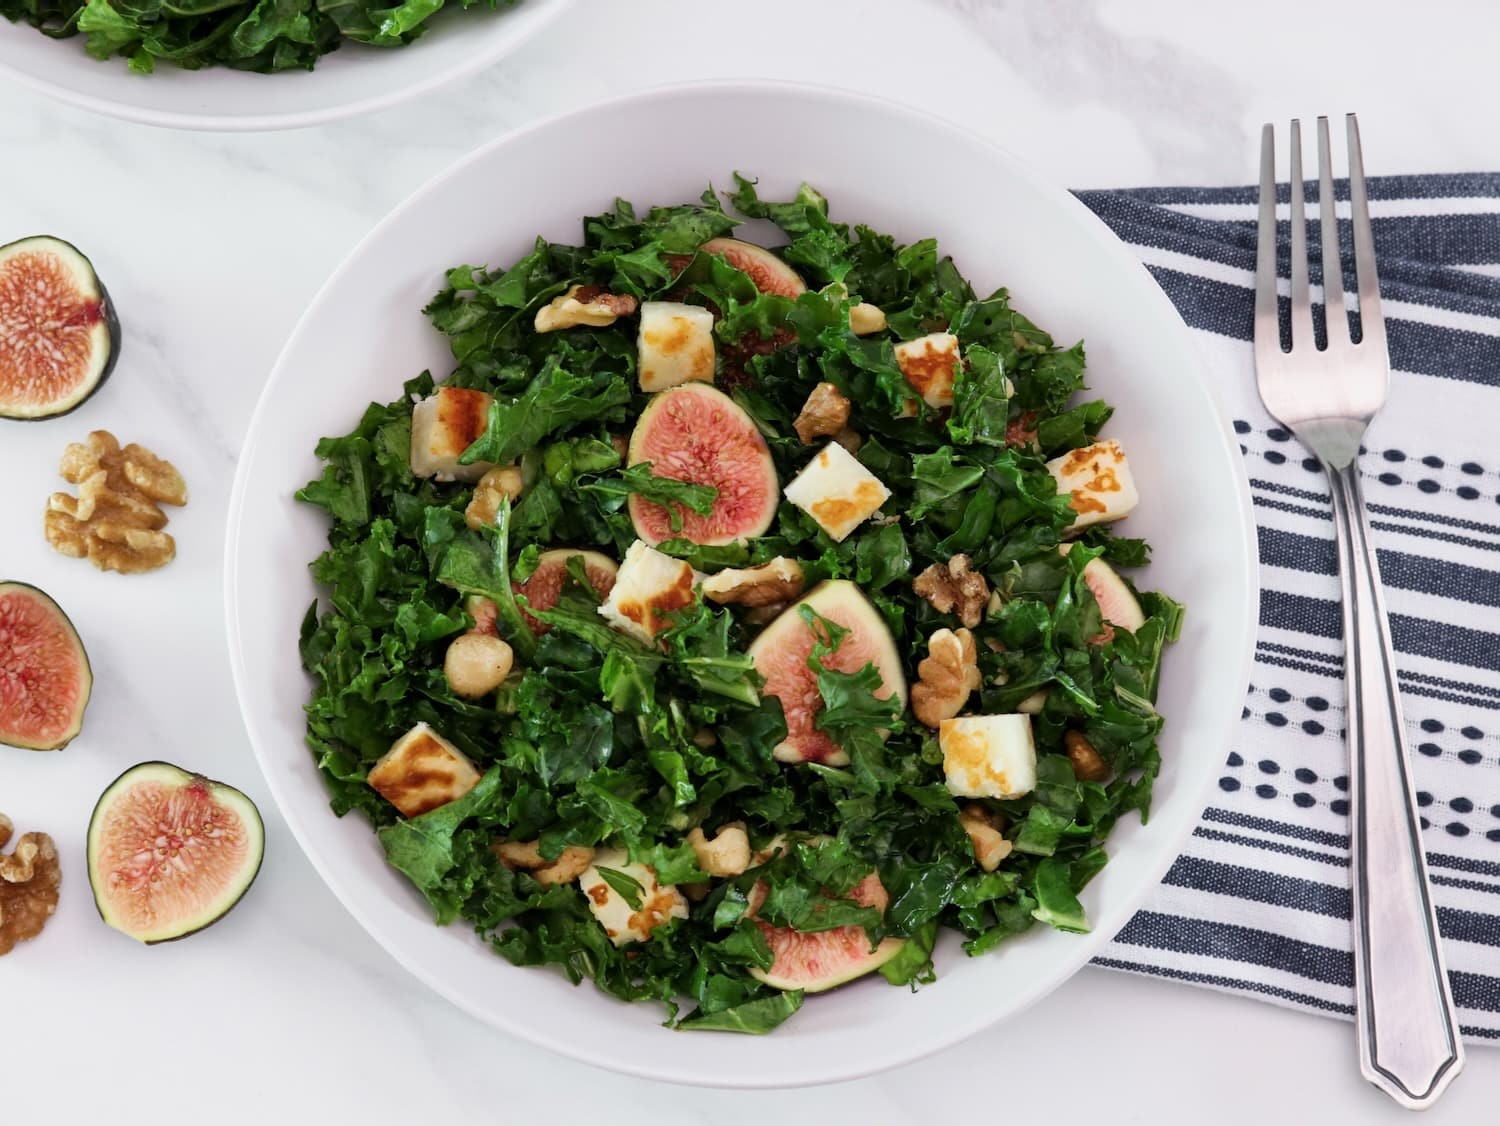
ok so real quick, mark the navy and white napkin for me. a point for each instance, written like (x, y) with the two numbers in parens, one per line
(1258, 904)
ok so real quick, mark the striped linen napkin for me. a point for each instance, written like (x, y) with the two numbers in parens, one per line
(1258, 904)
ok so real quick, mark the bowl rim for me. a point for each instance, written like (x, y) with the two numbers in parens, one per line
(1083, 947)
(542, 16)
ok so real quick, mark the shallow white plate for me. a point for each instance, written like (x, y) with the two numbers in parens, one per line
(351, 80)
(364, 334)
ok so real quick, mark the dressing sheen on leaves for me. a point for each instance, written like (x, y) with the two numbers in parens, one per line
(597, 739)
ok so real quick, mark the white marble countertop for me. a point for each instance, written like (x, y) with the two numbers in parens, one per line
(212, 245)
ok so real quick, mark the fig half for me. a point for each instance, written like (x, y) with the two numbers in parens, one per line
(45, 678)
(817, 960)
(59, 336)
(694, 432)
(170, 852)
(780, 654)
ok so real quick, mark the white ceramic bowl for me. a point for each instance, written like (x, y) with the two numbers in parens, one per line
(364, 334)
(351, 80)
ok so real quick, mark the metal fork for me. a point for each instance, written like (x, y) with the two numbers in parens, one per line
(1409, 1045)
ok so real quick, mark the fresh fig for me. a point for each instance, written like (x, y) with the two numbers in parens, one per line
(59, 336)
(544, 587)
(1117, 605)
(695, 432)
(769, 273)
(817, 960)
(780, 654)
(45, 678)
(171, 852)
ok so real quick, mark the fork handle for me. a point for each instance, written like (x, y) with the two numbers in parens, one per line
(1409, 1044)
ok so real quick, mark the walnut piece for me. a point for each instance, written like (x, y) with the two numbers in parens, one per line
(946, 676)
(985, 835)
(825, 413)
(1088, 764)
(115, 521)
(591, 305)
(569, 865)
(29, 879)
(497, 485)
(956, 588)
(778, 581)
(728, 854)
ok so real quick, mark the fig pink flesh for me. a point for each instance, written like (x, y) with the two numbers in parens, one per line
(168, 852)
(544, 587)
(781, 651)
(697, 433)
(820, 959)
(769, 273)
(1117, 605)
(43, 681)
(46, 330)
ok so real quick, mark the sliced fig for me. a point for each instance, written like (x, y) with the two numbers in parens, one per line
(58, 333)
(170, 852)
(780, 654)
(769, 273)
(45, 679)
(817, 960)
(695, 432)
(544, 587)
(1117, 605)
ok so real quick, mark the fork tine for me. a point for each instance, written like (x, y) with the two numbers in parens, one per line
(1337, 321)
(1267, 320)
(1302, 325)
(1372, 324)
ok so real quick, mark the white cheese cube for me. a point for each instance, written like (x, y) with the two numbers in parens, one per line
(930, 364)
(675, 345)
(443, 426)
(988, 756)
(1098, 478)
(623, 923)
(422, 771)
(837, 491)
(649, 586)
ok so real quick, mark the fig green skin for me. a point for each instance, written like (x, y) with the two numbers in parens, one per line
(111, 321)
(85, 671)
(245, 805)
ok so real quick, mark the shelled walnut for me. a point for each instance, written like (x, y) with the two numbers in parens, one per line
(946, 676)
(29, 879)
(956, 588)
(526, 855)
(778, 581)
(825, 413)
(116, 520)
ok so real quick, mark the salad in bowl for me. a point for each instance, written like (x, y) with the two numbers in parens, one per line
(730, 621)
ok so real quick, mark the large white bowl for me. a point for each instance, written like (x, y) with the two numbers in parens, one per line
(351, 80)
(364, 334)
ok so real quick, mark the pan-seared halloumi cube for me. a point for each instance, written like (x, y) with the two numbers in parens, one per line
(443, 426)
(624, 924)
(988, 756)
(930, 364)
(422, 771)
(1098, 479)
(837, 491)
(675, 345)
(648, 588)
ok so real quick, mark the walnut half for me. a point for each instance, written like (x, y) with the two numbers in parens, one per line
(985, 835)
(825, 413)
(29, 879)
(590, 305)
(115, 520)
(569, 865)
(771, 583)
(956, 588)
(947, 675)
